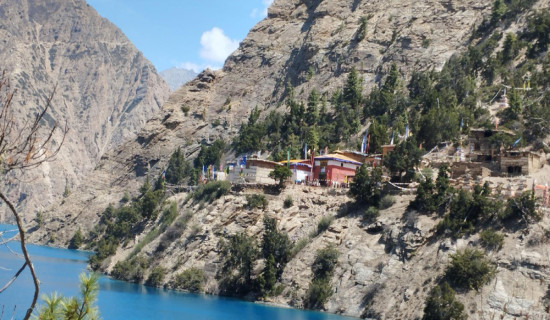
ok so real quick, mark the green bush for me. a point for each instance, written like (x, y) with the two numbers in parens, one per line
(277, 244)
(470, 269)
(191, 280)
(318, 293)
(521, 208)
(371, 214)
(299, 245)
(126, 197)
(211, 191)
(105, 248)
(441, 304)
(185, 110)
(281, 173)
(76, 240)
(210, 154)
(156, 277)
(324, 223)
(425, 200)
(365, 187)
(175, 231)
(130, 270)
(362, 30)
(288, 202)
(240, 255)
(325, 262)
(386, 202)
(491, 240)
(256, 201)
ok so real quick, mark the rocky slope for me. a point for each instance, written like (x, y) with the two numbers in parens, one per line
(177, 77)
(106, 88)
(385, 270)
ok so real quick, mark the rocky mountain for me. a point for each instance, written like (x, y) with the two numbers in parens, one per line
(177, 77)
(384, 271)
(106, 88)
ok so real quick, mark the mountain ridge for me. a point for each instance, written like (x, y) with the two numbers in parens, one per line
(106, 89)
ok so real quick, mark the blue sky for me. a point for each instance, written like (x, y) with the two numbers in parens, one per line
(193, 34)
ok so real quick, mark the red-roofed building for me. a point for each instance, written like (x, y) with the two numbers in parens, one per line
(335, 168)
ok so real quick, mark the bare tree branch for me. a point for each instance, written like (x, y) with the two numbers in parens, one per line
(25, 146)
(28, 261)
(13, 278)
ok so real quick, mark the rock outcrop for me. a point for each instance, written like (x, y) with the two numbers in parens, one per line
(106, 88)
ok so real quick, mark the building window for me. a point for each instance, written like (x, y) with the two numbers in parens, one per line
(341, 164)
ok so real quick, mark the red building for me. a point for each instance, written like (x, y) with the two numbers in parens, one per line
(334, 168)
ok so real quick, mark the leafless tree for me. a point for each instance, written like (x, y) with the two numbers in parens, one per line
(24, 146)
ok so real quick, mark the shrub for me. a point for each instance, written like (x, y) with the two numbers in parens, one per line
(178, 168)
(362, 30)
(470, 269)
(425, 200)
(288, 202)
(240, 255)
(281, 173)
(325, 262)
(76, 240)
(491, 240)
(256, 201)
(442, 304)
(191, 280)
(276, 244)
(298, 246)
(386, 202)
(365, 187)
(130, 270)
(185, 110)
(211, 191)
(175, 231)
(126, 197)
(156, 277)
(522, 207)
(324, 223)
(317, 294)
(371, 214)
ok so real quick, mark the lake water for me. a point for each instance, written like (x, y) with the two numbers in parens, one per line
(58, 270)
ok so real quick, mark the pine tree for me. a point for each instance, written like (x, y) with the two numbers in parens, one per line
(58, 308)
(352, 94)
(312, 112)
(442, 305)
(365, 187)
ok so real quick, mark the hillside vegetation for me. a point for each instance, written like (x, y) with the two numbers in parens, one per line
(439, 253)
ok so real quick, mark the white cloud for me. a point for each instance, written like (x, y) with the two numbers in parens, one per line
(198, 68)
(261, 13)
(216, 46)
(254, 13)
(191, 66)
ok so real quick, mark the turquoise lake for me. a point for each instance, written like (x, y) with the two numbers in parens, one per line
(58, 270)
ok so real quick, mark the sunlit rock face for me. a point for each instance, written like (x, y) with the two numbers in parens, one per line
(105, 89)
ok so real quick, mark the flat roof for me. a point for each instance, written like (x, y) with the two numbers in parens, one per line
(337, 157)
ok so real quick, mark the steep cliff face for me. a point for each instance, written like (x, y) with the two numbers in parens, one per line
(106, 88)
